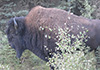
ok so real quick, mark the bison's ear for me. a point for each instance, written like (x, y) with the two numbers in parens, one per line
(15, 24)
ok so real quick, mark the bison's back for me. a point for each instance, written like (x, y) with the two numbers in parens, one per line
(46, 16)
(52, 16)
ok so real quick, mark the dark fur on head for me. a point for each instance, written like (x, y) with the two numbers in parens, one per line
(21, 38)
(15, 36)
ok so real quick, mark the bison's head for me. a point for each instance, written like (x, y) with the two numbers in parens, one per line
(15, 33)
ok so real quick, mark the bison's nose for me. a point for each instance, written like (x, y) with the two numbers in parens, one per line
(10, 43)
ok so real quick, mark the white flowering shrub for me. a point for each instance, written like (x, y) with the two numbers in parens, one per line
(73, 54)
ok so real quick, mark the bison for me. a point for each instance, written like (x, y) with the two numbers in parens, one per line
(31, 32)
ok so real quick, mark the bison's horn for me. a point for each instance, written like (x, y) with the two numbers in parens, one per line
(15, 23)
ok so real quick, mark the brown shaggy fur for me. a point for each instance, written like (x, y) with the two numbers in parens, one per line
(51, 17)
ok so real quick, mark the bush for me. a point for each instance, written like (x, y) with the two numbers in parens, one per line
(72, 56)
(81, 7)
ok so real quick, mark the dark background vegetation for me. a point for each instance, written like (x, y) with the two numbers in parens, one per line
(12, 8)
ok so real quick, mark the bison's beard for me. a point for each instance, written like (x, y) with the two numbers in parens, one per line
(19, 53)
